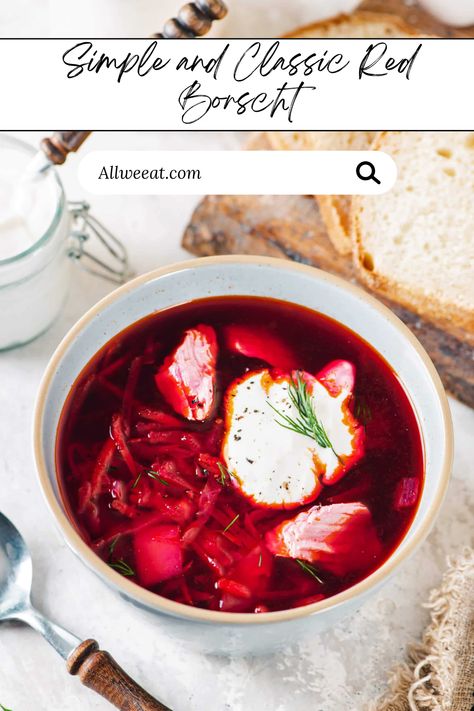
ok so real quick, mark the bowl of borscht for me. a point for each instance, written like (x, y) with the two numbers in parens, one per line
(245, 446)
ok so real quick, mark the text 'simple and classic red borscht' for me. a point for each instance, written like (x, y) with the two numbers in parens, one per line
(240, 454)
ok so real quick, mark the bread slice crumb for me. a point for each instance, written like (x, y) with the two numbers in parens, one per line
(415, 244)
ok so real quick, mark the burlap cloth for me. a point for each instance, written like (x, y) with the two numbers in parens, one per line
(439, 672)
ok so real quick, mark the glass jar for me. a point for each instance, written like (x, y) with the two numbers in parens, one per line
(34, 282)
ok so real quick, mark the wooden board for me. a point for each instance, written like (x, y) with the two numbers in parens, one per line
(291, 227)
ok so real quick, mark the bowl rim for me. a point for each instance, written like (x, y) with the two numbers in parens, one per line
(154, 601)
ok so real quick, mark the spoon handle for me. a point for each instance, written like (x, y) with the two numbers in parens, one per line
(194, 20)
(101, 673)
(58, 146)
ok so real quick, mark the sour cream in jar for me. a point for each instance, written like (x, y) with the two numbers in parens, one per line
(34, 263)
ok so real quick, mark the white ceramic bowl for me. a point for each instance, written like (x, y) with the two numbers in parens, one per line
(255, 276)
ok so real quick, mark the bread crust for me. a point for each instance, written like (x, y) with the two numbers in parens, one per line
(454, 318)
(335, 211)
(358, 17)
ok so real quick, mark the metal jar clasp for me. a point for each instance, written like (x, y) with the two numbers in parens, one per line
(111, 260)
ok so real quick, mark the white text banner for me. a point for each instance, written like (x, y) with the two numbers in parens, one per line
(239, 84)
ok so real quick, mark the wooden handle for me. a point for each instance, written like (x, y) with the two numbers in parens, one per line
(194, 20)
(101, 673)
(58, 146)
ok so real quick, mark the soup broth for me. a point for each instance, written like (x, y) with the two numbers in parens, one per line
(240, 454)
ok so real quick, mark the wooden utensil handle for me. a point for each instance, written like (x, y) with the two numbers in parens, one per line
(58, 146)
(101, 673)
(193, 20)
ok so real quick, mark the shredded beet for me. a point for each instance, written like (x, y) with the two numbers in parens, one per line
(206, 505)
(141, 459)
(101, 469)
(234, 588)
(117, 431)
(162, 419)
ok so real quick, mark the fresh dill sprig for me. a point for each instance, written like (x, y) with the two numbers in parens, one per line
(231, 523)
(260, 560)
(4, 708)
(307, 423)
(152, 474)
(137, 481)
(113, 543)
(362, 410)
(310, 569)
(224, 474)
(123, 568)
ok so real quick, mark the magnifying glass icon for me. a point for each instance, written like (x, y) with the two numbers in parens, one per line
(367, 175)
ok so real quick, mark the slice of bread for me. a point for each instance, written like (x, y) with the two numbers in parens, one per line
(335, 209)
(415, 244)
(360, 23)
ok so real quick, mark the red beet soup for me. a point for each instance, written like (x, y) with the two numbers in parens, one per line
(240, 454)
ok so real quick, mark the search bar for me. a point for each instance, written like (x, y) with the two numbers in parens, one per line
(237, 172)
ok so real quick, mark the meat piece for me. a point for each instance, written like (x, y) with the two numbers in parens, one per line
(187, 378)
(340, 538)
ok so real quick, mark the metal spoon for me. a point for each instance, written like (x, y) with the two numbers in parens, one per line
(95, 668)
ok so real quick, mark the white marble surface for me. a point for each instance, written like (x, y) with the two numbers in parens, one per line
(343, 668)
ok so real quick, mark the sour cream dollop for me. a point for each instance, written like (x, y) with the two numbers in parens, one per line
(273, 465)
